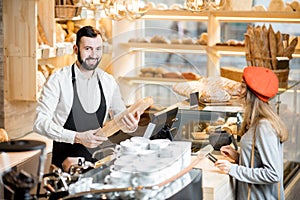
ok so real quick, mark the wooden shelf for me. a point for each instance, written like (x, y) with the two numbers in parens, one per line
(160, 47)
(175, 15)
(152, 80)
(224, 16)
(256, 16)
(193, 48)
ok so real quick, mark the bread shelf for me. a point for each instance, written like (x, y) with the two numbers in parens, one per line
(152, 80)
(257, 16)
(160, 47)
(192, 48)
(175, 15)
(214, 20)
(224, 16)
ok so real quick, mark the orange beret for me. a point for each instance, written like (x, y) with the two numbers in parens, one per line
(261, 81)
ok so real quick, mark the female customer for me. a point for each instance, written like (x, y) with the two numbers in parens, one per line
(259, 172)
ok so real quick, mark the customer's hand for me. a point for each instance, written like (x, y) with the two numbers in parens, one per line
(223, 165)
(89, 139)
(230, 152)
(130, 122)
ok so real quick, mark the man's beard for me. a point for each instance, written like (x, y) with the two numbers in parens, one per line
(84, 63)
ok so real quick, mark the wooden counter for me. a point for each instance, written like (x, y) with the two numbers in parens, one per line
(215, 184)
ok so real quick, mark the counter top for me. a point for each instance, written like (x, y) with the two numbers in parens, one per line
(11, 159)
(215, 184)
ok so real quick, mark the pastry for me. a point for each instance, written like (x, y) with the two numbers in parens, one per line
(190, 75)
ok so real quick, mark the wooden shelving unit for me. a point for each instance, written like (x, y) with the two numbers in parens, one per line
(214, 20)
(152, 80)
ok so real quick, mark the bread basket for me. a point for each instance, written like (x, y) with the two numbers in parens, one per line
(66, 10)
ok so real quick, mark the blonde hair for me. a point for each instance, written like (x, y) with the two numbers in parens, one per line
(255, 110)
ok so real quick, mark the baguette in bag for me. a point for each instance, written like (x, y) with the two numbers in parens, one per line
(116, 124)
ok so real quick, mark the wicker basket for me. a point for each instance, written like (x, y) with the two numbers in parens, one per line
(67, 11)
(283, 76)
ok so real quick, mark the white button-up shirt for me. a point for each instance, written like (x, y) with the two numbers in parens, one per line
(56, 101)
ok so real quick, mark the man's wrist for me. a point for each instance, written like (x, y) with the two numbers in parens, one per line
(76, 138)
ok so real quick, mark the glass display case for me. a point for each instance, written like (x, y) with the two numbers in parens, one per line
(200, 124)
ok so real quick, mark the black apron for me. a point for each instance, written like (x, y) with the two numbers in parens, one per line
(79, 120)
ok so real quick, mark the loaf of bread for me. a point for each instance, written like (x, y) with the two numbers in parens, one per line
(211, 89)
(116, 124)
(190, 75)
(186, 88)
(159, 39)
(153, 72)
(276, 5)
(173, 75)
(188, 41)
(3, 135)
(203, 38)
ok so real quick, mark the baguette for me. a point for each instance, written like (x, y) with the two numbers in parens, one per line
(115, 124)
(266, 47)
(252, 41)
(258, 45)
(288, 52)
(42, 32)
(273, 47)
(279, 44)
(248, 50)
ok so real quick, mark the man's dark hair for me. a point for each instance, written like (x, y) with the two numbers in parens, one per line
(87, 31)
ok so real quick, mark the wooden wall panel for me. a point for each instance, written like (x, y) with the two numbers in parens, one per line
(19, 117)
(21, 78)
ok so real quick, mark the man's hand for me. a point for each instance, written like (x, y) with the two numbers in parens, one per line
(69, 161)
(89, 139)
(130, 122)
